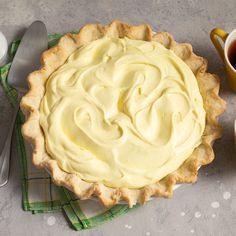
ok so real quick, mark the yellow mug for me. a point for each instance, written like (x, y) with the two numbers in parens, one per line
(227, 38)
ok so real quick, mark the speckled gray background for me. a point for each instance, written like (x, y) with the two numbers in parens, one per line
(205, 208)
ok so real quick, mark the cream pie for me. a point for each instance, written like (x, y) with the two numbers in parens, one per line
(122, 113)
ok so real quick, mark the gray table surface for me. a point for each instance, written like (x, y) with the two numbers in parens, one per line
(205, 208)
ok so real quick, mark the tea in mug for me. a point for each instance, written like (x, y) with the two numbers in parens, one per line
(232, 54)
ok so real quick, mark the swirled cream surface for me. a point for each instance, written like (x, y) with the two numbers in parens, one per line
(122, 112)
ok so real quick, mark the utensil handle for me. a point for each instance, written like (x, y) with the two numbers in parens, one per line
(215, 35)
(6, 151)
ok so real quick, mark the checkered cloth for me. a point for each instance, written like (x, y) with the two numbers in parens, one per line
(39, 193)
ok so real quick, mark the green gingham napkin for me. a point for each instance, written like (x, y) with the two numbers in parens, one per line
(39, 193)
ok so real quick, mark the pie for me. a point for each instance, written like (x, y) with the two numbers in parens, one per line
(122, 113)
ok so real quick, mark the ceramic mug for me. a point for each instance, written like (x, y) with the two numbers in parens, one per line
(227, 39)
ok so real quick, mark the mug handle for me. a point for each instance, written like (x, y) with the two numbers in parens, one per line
(215, 33)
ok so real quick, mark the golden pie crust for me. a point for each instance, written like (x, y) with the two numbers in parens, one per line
(56, 56)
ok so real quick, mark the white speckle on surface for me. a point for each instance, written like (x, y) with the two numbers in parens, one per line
(182, 213)
(213, 215)
(215, 204)
(128, 226)
(192, 231)
(226, 195)
(197, 214)
(218, 181)
(148, 234)
(51, 220)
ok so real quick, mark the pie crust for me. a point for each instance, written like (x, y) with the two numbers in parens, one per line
(56, 56)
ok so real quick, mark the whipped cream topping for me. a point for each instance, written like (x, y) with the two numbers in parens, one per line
(122, 112)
